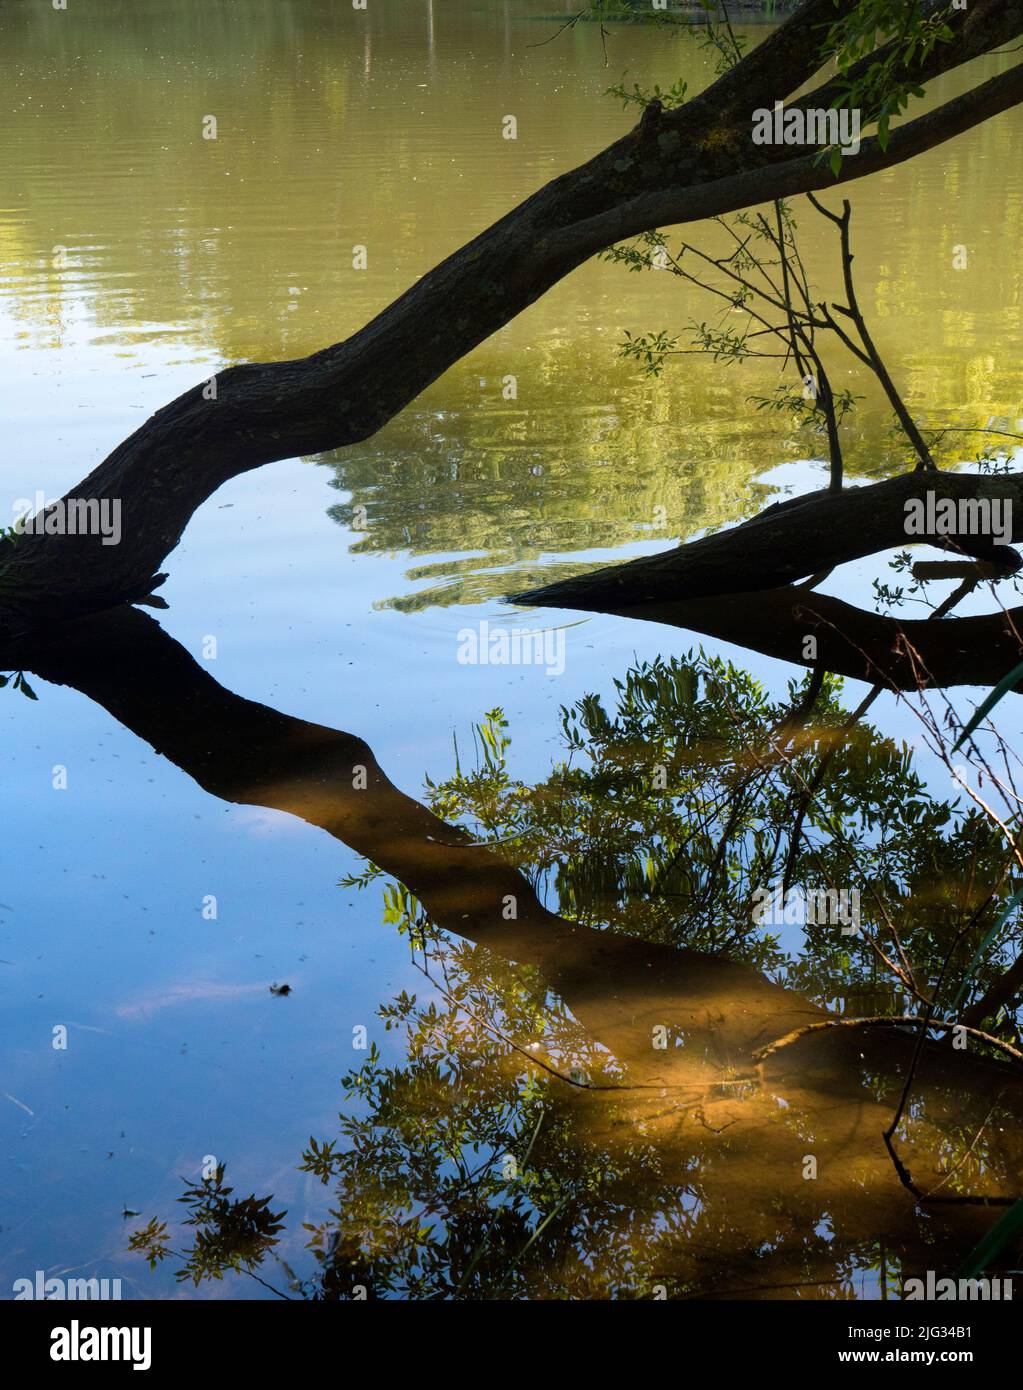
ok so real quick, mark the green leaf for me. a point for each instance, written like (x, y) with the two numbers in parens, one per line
(988, 1249)
(1006, 684)
(975, 959)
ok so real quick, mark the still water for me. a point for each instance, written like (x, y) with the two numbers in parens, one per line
(203, 852)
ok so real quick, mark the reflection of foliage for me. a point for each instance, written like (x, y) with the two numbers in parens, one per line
(671, 823)
(235, 1235)
(447, 1184)
(470, 1172)
(520, 485)
(691, 795)
(507, 1154)
(151, 1241)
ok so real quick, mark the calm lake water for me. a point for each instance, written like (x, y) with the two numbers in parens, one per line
(138, 258)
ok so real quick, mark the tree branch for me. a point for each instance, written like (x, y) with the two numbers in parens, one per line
(343, 394)
(790, 540)
(772, 178)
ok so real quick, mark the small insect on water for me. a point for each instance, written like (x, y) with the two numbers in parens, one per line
(280, 990)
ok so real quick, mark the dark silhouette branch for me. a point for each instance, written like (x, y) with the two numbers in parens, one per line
(790, 540)
(852, 311)
(774, 177)
(687, 164)
(999, 996)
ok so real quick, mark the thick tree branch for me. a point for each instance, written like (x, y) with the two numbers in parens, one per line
(777, 67)
(791, 540)
(683, 166)
(770, 179)
(983, 26)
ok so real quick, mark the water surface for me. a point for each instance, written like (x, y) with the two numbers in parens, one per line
(139, 258)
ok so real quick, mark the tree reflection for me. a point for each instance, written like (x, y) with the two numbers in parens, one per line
(597, 1125)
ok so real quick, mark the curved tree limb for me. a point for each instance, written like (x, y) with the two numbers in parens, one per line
(683, 165)
(791, 540)
(769, 178)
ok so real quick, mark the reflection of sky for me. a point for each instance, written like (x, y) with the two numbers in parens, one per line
(177, 1049)
(107, 879)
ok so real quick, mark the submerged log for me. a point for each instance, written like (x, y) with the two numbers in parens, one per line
(797, 538)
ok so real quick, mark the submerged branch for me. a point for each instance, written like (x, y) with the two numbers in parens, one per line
(791, 540)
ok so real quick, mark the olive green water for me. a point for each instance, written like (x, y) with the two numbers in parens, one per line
(384, 130)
